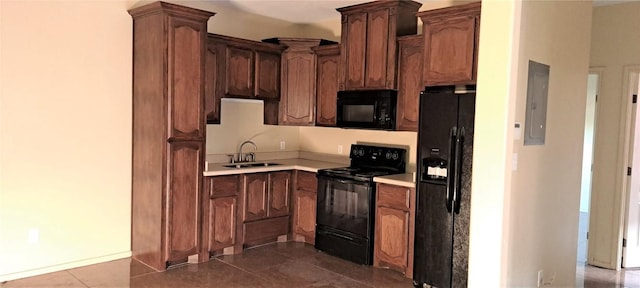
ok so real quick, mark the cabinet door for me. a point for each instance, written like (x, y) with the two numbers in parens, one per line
(409, 82)
(223, 222)
(304, 222)
(212, 95)
(240, 77)
(279, 187)
(354, 50)
(186, 102)
(267, 75)
(377, 49)
(255, 196)
(298, 96)
(392, 238)
(327, 88)
(449, 51)
(184, 186)
(224, 185)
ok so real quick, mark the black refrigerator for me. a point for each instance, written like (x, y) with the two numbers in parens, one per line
(445, 146)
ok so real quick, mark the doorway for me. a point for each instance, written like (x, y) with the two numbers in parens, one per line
(631, 238)
(587, 164)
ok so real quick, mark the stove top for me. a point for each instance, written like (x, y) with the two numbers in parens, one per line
(370, 161)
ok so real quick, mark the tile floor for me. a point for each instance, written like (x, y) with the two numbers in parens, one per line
(288, 264)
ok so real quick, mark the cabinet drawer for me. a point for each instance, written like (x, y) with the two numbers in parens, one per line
(265, 229)
(393, 196)
(224, 185)
(306, 181)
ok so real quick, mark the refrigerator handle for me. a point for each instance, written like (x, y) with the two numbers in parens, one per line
(457, 190)
(451, 167)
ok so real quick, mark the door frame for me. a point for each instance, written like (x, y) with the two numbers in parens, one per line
(629, 71)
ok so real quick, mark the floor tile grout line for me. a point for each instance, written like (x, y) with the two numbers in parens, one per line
(242, 269)
(75, 277)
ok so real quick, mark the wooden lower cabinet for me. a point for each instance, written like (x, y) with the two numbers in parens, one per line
(222, 212)
(266, 206)
(222, 233)
(394, 231)
(304, 207)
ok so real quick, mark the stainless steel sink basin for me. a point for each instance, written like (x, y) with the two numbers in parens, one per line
(248, 165)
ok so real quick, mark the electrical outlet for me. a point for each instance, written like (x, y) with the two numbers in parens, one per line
(540, 277)
(339, 149)
(282, 145)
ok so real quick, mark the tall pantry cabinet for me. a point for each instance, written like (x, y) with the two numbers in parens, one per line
(169, 43)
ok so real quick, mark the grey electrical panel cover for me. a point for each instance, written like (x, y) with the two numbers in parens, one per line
(536, 116)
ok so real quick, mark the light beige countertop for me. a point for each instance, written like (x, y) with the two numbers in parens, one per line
(404, 180)
(217, 169)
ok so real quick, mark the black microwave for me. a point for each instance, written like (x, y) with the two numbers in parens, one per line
(367, 109)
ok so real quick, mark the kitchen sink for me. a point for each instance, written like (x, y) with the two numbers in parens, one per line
(248, 165)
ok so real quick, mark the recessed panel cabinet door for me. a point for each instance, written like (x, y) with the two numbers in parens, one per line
(223, 222)
(305, 215)
(183, 194)
(392, 238)
(355, 50)
(409, 82)
(267, 75)
(449, 52)
(377, 49)
(327, 86)
(298, 97)
(279, 187)
(255, 196)
(212, 95)
(186, 86)
(240, 77)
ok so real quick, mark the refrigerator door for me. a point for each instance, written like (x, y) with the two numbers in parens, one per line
(434, 223)
(462, 206)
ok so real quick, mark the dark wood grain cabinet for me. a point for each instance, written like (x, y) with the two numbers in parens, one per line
(169, 51)
(266, 206)
(451, 44)
(221, 213)
(368, 42)
(242, 69)
(409, 82)
(394, 230)
(304, 206)
(298, 100)
(328, 67)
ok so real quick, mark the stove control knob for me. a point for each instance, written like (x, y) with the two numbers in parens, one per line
(388, 155)
(361, 152)
(395, 156)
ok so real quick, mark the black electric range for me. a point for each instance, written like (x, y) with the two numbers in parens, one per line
(346, 202)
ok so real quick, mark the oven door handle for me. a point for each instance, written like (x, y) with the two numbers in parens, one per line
(345, 181)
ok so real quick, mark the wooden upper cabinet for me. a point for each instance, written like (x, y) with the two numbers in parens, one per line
(240, 75)
(450, 44)
(213, 91)
(267, 75)
(328, 67)
(249, 69)
(298, 100)
(409, 82)
(368, 50)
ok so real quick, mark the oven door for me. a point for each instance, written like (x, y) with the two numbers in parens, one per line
(345, 204)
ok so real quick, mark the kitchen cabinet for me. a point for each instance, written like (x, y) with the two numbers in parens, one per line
(169, 51)
(250, 69)
(213, 91)
(298, 99)
(328, 65)
(304, 206)
(368, 42)
(266, 206)
(221, 213)
(451, 44)
(409, 82)
(394, 228)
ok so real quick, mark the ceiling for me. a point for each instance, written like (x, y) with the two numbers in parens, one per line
(297, 11)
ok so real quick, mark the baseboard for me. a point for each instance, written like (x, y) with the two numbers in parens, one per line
(65, 266)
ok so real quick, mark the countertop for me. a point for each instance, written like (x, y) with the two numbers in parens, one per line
(217, 169)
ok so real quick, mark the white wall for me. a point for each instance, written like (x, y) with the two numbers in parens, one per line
(615, 43)
(65, 134)
(545, 188)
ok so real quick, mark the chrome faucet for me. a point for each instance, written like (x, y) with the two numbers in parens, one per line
(248, 157)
